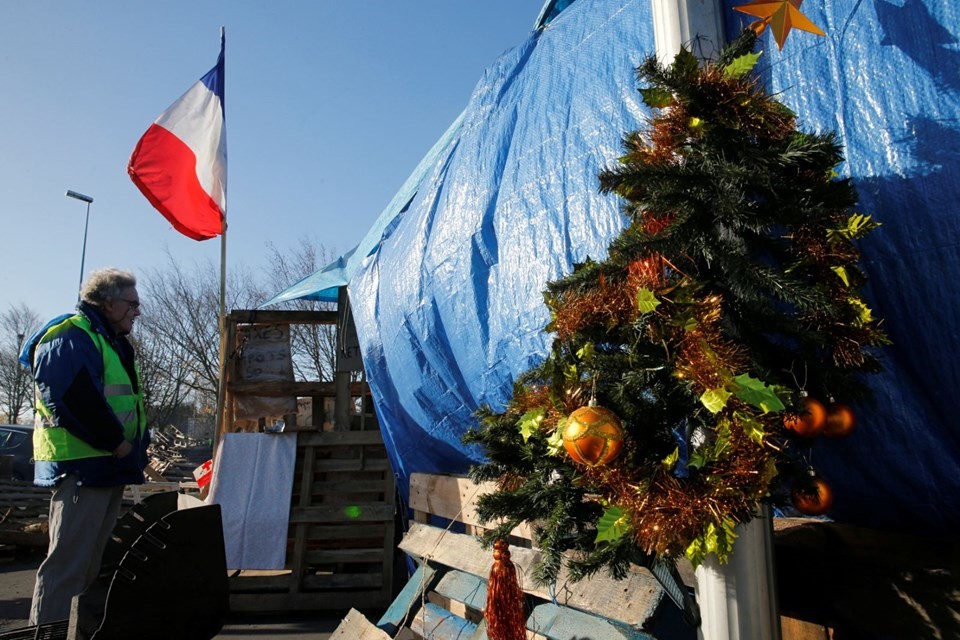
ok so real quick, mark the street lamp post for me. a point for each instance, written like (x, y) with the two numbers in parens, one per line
(18, 375)
(86, 224)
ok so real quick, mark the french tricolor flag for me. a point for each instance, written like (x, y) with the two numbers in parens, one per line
(180, 163)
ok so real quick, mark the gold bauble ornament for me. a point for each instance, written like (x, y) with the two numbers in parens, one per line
(841, 420)
(593, 436)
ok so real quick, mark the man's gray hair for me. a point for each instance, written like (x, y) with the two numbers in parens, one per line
(106, 285)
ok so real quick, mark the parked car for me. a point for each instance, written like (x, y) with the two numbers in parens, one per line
(17, 440)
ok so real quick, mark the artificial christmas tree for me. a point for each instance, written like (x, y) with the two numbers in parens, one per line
(729, 300)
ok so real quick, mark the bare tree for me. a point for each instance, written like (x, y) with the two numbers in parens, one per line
(17, 324)
(163, 374)
(179, 334)
(313, 347)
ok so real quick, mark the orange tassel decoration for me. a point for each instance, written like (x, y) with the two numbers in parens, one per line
(504, 613)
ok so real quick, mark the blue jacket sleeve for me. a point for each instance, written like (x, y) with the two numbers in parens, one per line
(68, 370)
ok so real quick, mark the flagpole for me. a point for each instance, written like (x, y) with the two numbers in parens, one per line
(223, 235)
(222, 385)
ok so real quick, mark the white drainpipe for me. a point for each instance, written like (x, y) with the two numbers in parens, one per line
(738, 600)
(697, 24)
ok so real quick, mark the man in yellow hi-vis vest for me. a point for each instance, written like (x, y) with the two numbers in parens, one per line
(90, 437)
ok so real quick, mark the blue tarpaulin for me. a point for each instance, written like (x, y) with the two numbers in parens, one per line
(447, 296)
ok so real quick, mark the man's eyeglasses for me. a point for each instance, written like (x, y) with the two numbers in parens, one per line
(134, 304)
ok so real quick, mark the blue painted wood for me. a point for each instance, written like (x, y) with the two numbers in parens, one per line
(562, 623)
(437, 623)
(463, 587)
(409, 597)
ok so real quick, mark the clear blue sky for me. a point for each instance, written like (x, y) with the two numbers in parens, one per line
(330, 105)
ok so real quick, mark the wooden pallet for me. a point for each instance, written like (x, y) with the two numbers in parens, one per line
(341, 530)
(446, 595)
(24, 508)
(340, 547)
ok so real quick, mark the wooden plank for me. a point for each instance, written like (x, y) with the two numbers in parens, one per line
(463, 587)
(360, 512)
(632, 600)
(793, 629)
(563, 623)
(284, 388)
(278, 388)
(24, 538)
(350, 531)
(333, 556)
(454, 498)
(296, 560)
(407, 600)
(343, 581)
(261, 584)
(335, 487)
(277, 316)
(355, 626)
(229, 370)
(437, 623)
(341, 438)
(346, 464)
(306, 601)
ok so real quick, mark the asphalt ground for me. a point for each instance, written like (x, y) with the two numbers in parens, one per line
(18, 571)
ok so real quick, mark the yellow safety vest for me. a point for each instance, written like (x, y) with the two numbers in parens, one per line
(52, 442)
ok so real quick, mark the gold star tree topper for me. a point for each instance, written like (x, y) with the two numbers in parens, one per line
(781, 16)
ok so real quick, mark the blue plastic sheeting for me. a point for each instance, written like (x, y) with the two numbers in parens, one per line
(449, 309)
(886, 78)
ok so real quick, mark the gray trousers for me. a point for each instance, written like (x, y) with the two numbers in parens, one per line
(81, 519)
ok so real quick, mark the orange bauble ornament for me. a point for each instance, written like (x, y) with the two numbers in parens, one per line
(593, 436)
(813, 502)
(841, 420)
(811, 420)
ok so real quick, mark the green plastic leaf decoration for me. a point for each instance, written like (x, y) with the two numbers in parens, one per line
(757, 393)
(586, 351)
(716, 539)
(842, 274)
(613, 525)
(698, 460)
(741, 65)
(722, 439)
(646, 301)
(715, 399)
(864, 314)
(656, 98)
(555, 441)
(671, 460)
(858, 225)
(752, 427)
(530, 422)
(685, 65)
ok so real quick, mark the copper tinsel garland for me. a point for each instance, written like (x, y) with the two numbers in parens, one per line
(609, 304)
(668, 513)
(706, 358)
